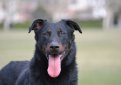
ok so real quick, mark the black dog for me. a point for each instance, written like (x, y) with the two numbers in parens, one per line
(54, 58)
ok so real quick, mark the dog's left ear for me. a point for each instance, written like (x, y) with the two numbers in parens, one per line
(36, 25)
(73, 25)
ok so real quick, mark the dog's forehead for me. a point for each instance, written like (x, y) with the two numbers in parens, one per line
(56, 25)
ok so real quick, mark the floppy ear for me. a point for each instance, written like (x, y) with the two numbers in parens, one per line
(73, 25)
(36, 25)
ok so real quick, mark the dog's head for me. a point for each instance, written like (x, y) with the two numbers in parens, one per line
(54, 41)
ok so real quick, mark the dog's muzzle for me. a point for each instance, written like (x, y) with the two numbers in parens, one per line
(55, 56)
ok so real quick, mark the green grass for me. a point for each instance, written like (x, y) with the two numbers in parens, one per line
(18, 26)
(22, 25)
(90, 24)
(98, 54)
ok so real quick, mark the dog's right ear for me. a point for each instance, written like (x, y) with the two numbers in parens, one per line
(36, 25)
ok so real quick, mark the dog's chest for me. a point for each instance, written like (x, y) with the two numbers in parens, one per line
(44, 81)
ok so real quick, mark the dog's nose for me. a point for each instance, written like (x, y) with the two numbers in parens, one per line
(54, 48)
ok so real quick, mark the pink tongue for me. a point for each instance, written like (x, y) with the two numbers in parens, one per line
(54, 66)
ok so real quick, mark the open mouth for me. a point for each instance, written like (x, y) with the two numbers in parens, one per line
(54, 65)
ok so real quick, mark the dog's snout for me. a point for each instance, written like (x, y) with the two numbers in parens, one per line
(54, 47)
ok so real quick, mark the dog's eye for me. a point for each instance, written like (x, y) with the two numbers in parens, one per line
(60, 32)
(48, 33)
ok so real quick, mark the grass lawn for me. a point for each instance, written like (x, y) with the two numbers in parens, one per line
(98, 54)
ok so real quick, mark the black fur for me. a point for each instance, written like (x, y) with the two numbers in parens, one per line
(35, 71)
(10, 73)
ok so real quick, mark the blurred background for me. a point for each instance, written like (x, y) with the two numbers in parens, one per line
(98, 47)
